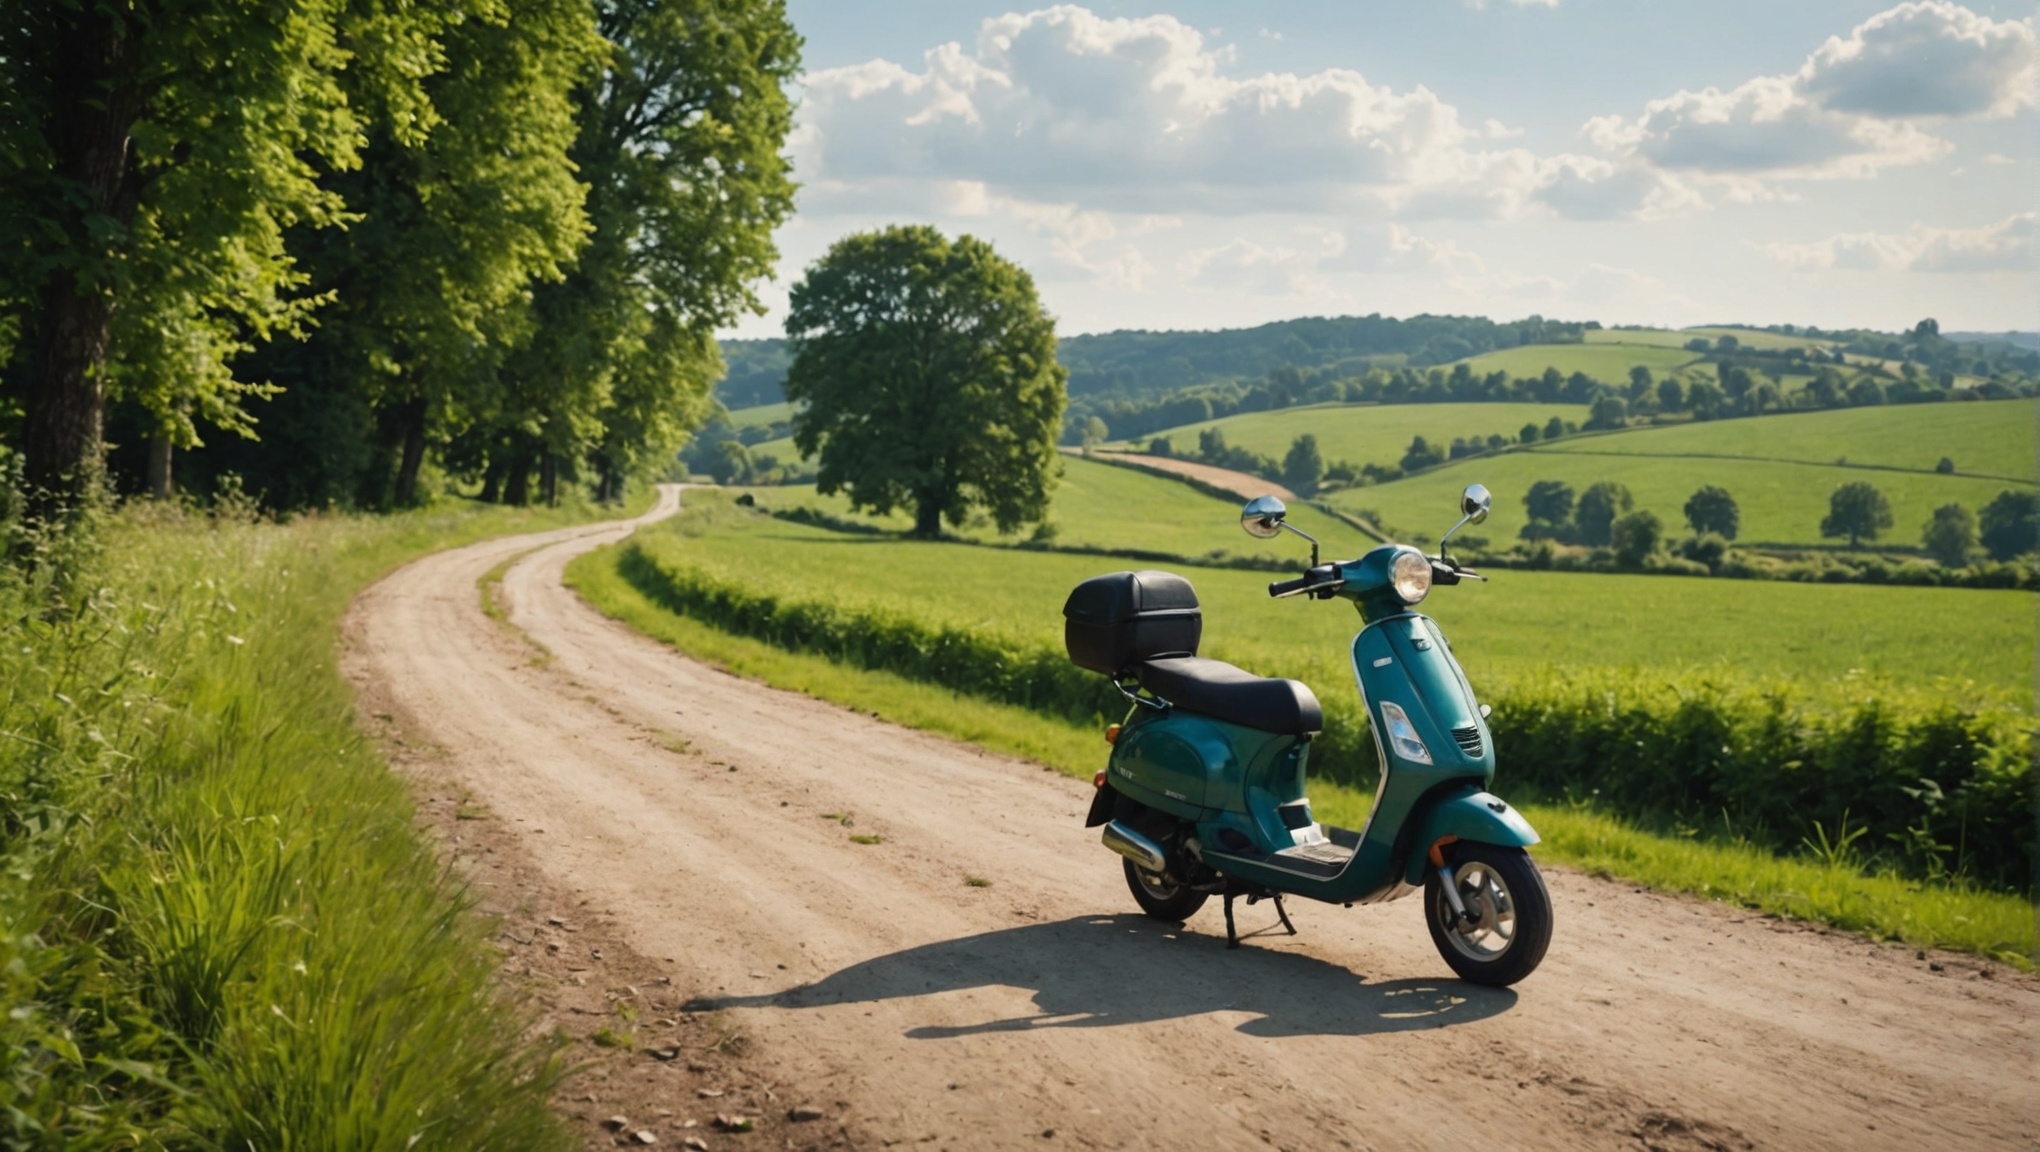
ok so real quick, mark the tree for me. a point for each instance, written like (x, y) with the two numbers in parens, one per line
(1554, 428)
(1549, 502)
(1303, 467)
(679, 139)
(1950, 537)
(1712, 509)
(1635, 538)
(1598, 507)
(1608, 412)
(1856, 510)
(1421, 455)
(928, 373)
(152, 158)
(1528, 434)
(1640, 381)
(1671, 395)
(2010, 524)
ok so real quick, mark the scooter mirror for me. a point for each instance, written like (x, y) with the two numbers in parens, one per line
(1475, 502)
(1262, 517)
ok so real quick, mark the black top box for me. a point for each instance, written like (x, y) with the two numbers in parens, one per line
(1111, 623)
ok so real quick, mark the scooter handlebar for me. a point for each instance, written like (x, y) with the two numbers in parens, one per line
(1321, 577)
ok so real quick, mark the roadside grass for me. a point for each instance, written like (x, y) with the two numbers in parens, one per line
(1836, 891)
(221, 925)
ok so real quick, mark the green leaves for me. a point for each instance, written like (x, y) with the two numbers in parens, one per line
(928, 373)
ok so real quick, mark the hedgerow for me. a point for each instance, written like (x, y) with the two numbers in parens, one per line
(1915, 780)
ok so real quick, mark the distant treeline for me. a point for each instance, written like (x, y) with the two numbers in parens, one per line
(1134, 364)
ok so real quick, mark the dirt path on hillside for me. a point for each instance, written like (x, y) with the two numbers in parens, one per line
(1245, 485)
(709, 819)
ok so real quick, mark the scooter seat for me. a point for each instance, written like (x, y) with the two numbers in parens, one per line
(1223, 692)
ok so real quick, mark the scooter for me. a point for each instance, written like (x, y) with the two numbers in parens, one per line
(1203, 793)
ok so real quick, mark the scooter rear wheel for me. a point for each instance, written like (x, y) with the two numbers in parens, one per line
(1161, 897)
(1511, 914)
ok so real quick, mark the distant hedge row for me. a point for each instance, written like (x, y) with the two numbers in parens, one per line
(1932, 786)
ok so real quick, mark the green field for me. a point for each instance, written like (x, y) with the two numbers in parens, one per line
(760, 415)
(1782, 501)
(1518, 625)
(1369, 433)
(1668, 338)
(1994, 438)
(1608, 363)
(1102, 506)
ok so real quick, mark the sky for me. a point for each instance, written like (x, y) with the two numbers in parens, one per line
(1196, 164)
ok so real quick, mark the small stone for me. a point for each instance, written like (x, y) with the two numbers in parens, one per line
(552, 946)
(616, 1123)
(708, 1093)
(1920, 955)
(733, 1123)
(1048, 1133)
(1936, 966)
(803, 1114)
(556, 922)
(696, 1143)
(645, 1136)
(596, 953)
(663, 1053)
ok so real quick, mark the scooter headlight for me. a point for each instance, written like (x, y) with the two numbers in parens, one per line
(1402, 735)
(1411, 575)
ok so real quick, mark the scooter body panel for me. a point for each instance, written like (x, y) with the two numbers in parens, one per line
(1468, 814)
(1205, 770)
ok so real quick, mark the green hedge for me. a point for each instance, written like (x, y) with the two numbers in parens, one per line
(1911, 780)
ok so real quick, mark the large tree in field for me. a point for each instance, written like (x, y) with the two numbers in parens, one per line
(1856, 510)
(1712, 509)
(153, 154)
(926, 373)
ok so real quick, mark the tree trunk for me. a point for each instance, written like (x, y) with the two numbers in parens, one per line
(928, 518)
(414, 453)
(549, 480)
(159, 466)
(94, 105)
(517, 490)
(492, 480)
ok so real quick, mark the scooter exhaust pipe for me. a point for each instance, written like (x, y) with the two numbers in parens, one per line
(1145, 853)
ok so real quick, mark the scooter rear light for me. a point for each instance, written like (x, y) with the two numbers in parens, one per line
(1098, 781)
(1112, 734)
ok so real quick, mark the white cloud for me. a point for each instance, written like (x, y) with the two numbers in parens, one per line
(1926, 59)
(1141, 115)
(2006, 246)
(1849, 111)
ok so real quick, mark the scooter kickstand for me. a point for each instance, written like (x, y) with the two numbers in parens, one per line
(1232, 936)
(1284, 914)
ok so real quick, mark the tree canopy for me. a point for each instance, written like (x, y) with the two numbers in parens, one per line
(1712, 509)
(928, 376)
(1856, 510)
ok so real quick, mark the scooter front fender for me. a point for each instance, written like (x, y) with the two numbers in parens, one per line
(1469, 815)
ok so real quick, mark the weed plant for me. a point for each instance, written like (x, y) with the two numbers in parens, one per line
(219, 926)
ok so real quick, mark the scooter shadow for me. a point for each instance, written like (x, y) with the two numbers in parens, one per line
(1101, 971)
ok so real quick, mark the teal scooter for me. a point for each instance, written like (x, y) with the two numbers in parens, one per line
(1203, 794)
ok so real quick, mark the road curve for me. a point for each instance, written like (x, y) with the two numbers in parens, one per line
(705, 813)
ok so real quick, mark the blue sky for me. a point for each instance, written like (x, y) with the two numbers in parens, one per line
(1195, 164)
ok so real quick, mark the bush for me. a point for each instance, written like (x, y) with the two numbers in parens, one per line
(1941, 788)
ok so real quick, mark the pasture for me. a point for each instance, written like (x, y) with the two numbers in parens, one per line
(1369, 433)
(1517, 626)
(1608, 363)
(1781, 469)
(760, 415)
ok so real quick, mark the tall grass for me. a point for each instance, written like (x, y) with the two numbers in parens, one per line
(221, 927)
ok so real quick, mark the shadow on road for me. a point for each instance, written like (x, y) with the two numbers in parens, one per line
(1097, 971)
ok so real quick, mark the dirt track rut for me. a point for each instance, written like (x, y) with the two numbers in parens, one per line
(690, 806)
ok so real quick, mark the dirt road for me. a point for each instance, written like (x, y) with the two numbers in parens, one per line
(705, 815)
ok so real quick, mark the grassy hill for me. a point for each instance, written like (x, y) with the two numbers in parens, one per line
(1364, 434)
(759, 415)
(1101, 506)
(1782, 499)
(1607, 363)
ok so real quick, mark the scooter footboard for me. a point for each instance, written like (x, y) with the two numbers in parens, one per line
(1469, 815)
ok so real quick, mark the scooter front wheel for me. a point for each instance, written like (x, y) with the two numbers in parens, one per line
(1161, 897)
(1508, 914)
